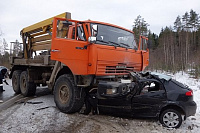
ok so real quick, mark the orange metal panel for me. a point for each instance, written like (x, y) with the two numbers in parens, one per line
(96, 59)
(70, 52)
(122, 59)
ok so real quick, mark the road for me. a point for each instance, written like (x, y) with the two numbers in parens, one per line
(8, 93)
(9, 98)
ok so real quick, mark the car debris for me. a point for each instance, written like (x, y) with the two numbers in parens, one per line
(46, 107)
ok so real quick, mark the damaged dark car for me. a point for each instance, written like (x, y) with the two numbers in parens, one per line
(151, 95)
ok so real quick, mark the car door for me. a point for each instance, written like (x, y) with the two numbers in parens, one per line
(148, 102)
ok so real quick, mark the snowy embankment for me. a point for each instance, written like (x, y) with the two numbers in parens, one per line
(45, 117)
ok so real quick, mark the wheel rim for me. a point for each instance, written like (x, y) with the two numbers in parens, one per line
(64, 93)
(171, 119)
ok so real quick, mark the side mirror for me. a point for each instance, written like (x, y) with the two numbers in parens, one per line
(92, 39)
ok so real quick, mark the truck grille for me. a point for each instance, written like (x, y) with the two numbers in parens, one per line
(118, 69)
(115, 68)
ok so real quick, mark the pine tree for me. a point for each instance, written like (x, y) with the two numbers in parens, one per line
(178, 24)
(185, 21)
(193, 20)
(140, 27)
(154, 40)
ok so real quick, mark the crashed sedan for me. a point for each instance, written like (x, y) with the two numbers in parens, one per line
(145, 95)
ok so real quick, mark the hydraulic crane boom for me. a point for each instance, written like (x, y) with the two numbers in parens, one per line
(38, 36)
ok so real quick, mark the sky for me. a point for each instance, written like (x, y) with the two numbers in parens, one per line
(17, 14)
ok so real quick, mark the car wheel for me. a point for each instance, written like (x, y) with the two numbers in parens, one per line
(16, 81)
(67, 95)
(171, 118)
(27, 88)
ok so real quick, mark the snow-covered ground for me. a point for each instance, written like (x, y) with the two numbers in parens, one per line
(45, 117)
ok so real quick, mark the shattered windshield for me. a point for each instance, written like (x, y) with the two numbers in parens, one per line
(161, 76)
(113, 36)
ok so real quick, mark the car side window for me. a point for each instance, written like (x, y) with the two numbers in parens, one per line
(150, 87)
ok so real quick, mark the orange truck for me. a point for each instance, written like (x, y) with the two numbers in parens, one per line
(72, 57)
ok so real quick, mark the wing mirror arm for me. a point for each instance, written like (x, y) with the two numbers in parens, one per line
(91, 40)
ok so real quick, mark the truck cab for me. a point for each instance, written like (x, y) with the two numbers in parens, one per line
(98, 48)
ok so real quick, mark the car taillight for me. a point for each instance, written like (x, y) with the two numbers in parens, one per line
(189, 93)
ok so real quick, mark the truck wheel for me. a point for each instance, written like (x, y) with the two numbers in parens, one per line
(27, 88)
(16, 81)
(68, 98)
(171, 118)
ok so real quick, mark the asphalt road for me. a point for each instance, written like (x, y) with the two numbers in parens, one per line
(9, 98)
(8, 93)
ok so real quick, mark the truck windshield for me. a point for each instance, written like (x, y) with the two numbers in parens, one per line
(109, 35)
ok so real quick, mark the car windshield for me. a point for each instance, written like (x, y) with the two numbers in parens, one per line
(161, 76)
(109, 35)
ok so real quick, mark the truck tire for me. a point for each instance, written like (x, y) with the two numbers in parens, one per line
(27, 88)
(68, 97)
(16, 81)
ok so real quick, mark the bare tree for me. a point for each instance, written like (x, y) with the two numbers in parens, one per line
(16, 48)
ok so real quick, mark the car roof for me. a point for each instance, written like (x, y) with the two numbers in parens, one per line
(161, 76)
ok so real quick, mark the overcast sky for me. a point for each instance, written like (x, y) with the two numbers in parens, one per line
(17, 14)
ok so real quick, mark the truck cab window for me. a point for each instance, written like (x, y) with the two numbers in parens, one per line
(94, 29)
(144, 44)
(113, 36)
(64, 29)
(81, 34)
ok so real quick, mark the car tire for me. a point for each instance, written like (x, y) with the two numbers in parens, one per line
(68, 97)
(16, 81)
(27, 88)
(171, 118)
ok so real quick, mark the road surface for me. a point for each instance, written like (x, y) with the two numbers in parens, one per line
(8, 93)
(9, 98)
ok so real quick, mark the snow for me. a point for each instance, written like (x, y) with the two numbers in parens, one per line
(45, 117)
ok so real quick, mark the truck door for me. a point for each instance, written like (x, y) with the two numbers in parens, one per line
(69, 45)
(145, 51)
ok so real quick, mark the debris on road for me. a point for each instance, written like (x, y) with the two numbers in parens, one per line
(46, 107)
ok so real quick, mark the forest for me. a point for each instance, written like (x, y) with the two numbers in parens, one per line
(176, 48)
